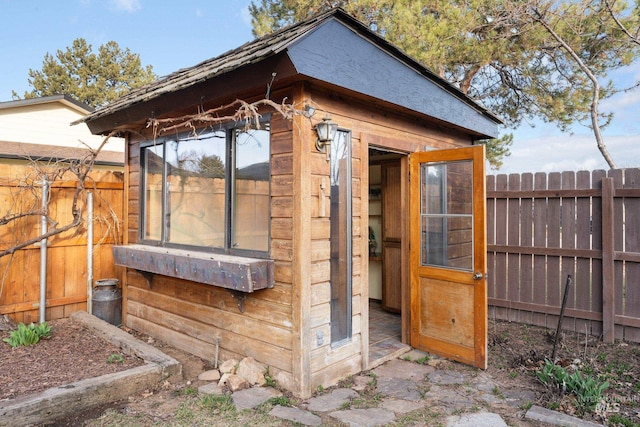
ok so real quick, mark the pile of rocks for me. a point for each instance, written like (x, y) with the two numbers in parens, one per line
(234, 376)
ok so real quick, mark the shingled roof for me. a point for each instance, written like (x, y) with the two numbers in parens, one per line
(268, 46)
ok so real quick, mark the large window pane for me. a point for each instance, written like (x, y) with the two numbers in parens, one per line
(341, 229)
(251, 190)
(196, 190)
(446, 194)
(153, 167)
(208, 189)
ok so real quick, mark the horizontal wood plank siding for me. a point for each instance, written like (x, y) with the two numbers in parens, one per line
(195, 316)
(373, 126)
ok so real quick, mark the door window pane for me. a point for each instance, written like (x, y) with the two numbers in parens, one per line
(446, 209)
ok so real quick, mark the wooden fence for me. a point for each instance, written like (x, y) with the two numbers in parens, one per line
(67, 265)
(542, 228)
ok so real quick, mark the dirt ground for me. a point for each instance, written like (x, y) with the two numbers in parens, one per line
(72, 353)
(516, 352)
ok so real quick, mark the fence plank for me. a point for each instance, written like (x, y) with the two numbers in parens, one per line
(526, 240)
(513, 238)
(567, 241)
(596, 244)
(501, 238)
(582, 278)
(540, 220)
(631, 283)
(491, 219)
(553, 240)
(618, 244)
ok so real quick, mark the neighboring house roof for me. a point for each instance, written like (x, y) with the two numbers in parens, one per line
(64, 99)
(43, 125)
(333, 47)
(49, 153)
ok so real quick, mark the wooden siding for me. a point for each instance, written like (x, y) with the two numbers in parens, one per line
(542, 228)
(286, 327)
(66, 253)
(371, 125)
(195, 316)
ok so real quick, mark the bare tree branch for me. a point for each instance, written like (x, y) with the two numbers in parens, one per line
(540, 18)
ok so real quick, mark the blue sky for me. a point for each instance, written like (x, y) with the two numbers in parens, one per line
(170, 35)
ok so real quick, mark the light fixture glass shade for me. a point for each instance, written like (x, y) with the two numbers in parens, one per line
(326, 130)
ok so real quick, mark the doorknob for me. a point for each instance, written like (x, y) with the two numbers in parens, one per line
(477, 276)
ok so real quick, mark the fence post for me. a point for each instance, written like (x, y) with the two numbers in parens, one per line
(608, 283)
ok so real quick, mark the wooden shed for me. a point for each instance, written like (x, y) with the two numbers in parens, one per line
(263, 240)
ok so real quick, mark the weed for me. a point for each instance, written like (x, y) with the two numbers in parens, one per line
(619, 420)
(217, 402)
(115, 358)
(513, 375)
(346, 382)
(270, 381)
(280, 400)
(423, 360)
(190, 391)
(320, 388)
(525, 406)
(184, 412)
(496, 392)
(28, 335)
(587, 390)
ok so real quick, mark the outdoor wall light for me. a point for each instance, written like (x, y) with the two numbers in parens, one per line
(326, 131)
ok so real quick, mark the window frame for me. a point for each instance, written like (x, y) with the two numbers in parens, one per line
(229, 130)
(344, 317)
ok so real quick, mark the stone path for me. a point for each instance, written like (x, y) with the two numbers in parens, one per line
(402, 387)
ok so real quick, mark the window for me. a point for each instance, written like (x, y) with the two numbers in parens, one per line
(341, 240)
(208, 190)
(446, 215)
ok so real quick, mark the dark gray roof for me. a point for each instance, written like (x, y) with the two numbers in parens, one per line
(435, 98)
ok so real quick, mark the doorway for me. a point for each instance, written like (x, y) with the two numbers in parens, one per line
(387, 271)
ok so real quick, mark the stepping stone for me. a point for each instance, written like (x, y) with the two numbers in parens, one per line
(399, 406)
(477, 419)
(399, 388)
(365, 417)
(483, 383)
(296, 415)
(403, 369)
(515, 398)
(211, 388)
(490, 399)
(537, 413)
(447, 377)
(331, 401)
(253, 397)
(450, 400)
(211, 375)
(361, 382)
